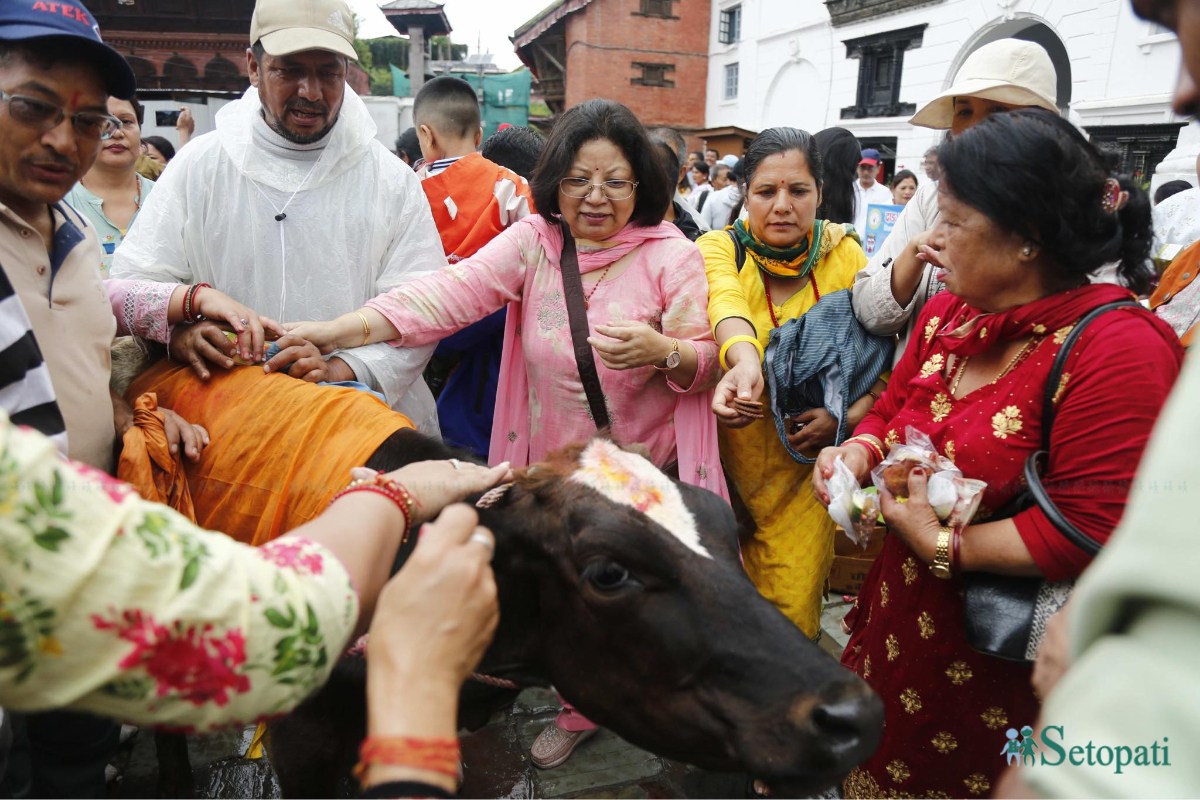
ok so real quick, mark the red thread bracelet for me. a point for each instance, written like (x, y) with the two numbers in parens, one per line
(441, 755)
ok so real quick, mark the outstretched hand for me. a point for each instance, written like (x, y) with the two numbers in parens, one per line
(744, 381)
(321, 335)
(437, 484)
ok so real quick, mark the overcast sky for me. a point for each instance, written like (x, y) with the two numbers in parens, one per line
(482, 25)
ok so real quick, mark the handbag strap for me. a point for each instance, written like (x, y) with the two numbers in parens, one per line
(1049, 409)
(1032, 475)
(585, 360)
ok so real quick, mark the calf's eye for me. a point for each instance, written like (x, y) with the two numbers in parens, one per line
(606, 575)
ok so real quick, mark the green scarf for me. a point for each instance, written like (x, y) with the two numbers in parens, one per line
(792, 262)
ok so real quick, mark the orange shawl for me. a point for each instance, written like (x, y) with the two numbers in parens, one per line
(280, 447)
(146, 459)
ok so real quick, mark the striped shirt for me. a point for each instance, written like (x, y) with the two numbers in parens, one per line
(26, 392)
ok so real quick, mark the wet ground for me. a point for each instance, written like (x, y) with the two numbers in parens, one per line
(495, 758)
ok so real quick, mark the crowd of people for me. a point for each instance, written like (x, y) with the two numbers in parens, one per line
(600, 281)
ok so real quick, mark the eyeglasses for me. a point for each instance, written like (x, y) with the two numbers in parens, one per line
(47, 116)
(582, 187)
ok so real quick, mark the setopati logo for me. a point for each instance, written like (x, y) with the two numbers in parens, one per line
(1050, 748)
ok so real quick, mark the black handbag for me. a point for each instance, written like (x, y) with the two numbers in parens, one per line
(1005, 615)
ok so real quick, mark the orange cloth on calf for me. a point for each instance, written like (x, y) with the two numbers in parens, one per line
(280, 448)
(148, 463)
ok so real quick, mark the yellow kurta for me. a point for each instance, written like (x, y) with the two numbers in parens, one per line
(792, 549)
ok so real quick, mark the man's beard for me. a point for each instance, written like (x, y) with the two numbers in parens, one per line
(275, 124)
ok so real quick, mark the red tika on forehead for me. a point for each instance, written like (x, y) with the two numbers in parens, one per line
(633, 481)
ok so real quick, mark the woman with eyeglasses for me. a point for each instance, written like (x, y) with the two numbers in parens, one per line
(601, 182)
(112, 192)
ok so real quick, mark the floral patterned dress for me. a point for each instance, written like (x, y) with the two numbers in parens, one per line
(121, 607)
(947, 707)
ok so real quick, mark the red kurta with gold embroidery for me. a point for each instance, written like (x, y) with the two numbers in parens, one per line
(947, 707)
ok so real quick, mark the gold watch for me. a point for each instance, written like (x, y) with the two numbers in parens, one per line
(941, 557)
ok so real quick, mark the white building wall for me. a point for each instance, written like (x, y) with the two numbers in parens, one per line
(794, 70)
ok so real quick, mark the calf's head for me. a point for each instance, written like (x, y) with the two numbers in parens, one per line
(625, 590)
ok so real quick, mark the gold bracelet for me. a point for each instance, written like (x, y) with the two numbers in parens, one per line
(942, 567)
(366, 328)
(732, 340)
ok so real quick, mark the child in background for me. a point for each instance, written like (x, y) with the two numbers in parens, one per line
(472, 200)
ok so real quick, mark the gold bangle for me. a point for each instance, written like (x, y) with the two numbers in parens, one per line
(865, 440)
(366, 328)
(732, 340)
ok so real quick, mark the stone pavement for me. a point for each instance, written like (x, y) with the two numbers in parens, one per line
(495, 758)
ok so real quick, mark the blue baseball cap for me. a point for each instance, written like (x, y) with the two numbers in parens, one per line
(70, 22)
(870, 156)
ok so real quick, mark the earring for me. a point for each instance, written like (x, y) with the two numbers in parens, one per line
(1027, 250)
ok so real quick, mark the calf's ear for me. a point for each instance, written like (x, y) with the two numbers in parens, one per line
(714, 520)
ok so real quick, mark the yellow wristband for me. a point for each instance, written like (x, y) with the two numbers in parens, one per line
(366, 327)
(732, 340)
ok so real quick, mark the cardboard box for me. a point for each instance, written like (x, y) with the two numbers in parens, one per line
(847, 574)
(842, 546)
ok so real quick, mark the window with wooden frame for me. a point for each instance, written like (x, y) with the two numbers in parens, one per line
(653, 74)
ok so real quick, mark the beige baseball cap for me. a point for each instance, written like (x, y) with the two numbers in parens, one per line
(289, 26)
(1011, 71)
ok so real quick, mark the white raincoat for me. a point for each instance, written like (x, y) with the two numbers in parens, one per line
(356, 224)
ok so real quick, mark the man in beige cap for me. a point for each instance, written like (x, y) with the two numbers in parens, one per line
(292, 207)
(1000, 76)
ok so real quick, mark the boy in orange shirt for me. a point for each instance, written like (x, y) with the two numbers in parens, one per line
(472, 200)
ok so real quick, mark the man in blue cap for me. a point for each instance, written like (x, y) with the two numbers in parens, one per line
(56, 75)
(867, 190)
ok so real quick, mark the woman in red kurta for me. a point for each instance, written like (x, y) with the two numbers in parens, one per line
(1014, 247)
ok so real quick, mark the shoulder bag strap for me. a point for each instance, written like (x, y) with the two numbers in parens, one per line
(739, 250)
(585, 360)
(1032, 474)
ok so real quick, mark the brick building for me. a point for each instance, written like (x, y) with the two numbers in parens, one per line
(651, 55)
(179, 48)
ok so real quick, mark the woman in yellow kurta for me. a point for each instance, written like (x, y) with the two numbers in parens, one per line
(781, 278)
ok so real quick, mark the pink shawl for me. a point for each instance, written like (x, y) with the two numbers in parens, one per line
(696, 444)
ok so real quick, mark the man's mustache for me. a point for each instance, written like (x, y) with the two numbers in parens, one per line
(49, 158)
(306, 106)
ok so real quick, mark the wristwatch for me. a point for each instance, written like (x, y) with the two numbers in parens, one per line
(941, 567)
(673, 357)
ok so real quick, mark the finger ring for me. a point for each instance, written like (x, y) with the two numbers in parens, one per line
(479, 537)
(244, 321)
(454, 462)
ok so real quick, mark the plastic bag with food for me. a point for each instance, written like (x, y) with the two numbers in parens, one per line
(852, 507)
(954, 498)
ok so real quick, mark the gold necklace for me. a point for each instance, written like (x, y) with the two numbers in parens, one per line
(1020, 356)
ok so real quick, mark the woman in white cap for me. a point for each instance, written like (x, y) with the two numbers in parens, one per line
(1000, 76)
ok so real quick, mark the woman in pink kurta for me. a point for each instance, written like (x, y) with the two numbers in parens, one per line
(646, 300)
(541, 405)
(646, 297)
